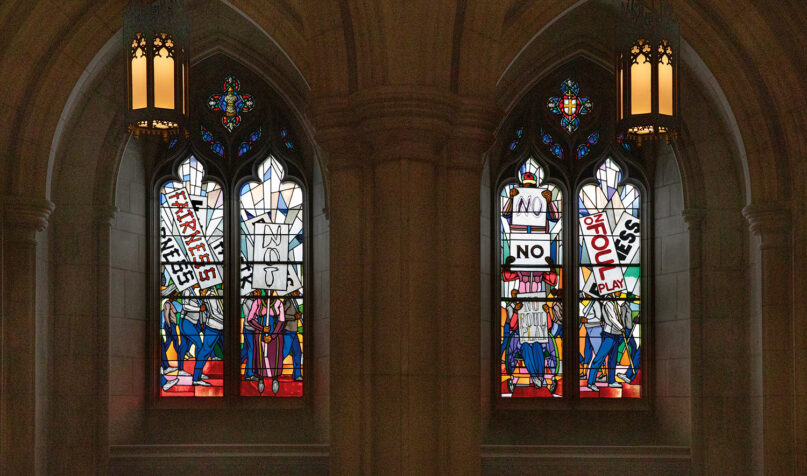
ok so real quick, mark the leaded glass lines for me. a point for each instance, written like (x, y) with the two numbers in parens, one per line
(191, 284)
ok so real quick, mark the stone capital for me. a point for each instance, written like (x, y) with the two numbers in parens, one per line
(26, 214)
(694, 217)
(104, 215)
(473, 134)
(335, 131)
(770, 221)
(410, 121)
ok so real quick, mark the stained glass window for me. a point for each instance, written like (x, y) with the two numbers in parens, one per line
(191, 250)
(554, 147)
(569, 241)
(247, 145)
(232, 102)
(531, 307)
(516, 139)
(609, 280)
(215, 145)
(271, 223)
(229, 294)
(585, 148)
(286, 137)
(570, 106)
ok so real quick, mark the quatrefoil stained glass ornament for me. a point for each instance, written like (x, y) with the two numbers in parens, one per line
(232, 101)
(570, 106)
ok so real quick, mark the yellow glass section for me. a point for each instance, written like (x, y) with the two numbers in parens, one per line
(665, 86)
(640, 85)
(139, 100)
(163, 80)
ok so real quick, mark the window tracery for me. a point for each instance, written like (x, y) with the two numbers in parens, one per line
(230, 245)
(593, 244)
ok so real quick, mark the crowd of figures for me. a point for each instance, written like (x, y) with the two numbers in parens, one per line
(532, 299)
(532, 336)
(271, 333)
(192, 340)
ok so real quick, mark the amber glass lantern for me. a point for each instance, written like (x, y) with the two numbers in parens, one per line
(647, 44)
(155, 40)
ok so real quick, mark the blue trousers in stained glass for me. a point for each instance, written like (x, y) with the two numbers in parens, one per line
(189, 334)
(593, 342)
(636, 358)
(246, 353)
(170, 336)
(533, 355)
(291, 345)
(212, 337)
(609, 342)
(511, 345)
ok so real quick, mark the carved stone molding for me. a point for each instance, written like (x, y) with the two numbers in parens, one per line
(773, 217)
(473, 134)
(104, 215)
(336, 133)
(27, 214)
(415, 122)
(404, 121)
(694, 218)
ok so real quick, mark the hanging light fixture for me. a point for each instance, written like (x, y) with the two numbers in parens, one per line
(647, 50)
(155, 40)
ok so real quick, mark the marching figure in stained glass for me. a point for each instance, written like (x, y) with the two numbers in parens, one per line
(610, 285)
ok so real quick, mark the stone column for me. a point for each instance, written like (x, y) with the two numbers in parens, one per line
(23, 404)
(772, 333)
(694, 218)
(405, 280)
(474, 124)
(407, 129)
(103, 219)
(345, 170)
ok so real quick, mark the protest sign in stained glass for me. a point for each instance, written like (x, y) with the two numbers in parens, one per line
(271, 284)
(531, 307)
(191, 305)
(609, 294)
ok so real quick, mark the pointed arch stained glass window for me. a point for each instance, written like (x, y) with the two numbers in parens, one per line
(229, 287)
(191, 278)
(272, 291)
(531, 250)
(609, 285)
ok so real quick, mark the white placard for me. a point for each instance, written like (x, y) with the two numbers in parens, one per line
(530, 249)
(271, 245)
(601, 251)
(532, 320)
(626, 239)
(529, 207)
(170, 254)
(197, 249)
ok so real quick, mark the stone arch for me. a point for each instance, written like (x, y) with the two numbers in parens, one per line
(577, 32)
(82, 176)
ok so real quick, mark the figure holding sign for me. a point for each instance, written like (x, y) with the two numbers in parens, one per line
(270, 251)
